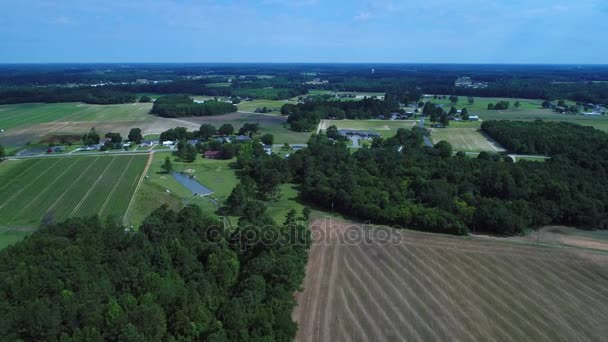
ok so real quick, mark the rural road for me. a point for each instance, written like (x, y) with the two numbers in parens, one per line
(113, 153)
(427, 140)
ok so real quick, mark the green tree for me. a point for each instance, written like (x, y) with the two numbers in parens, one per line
(471, 100)
(145, 99)
(206, 131)
(249, 128)
(444, 148)
(190, 153)
(2, 153)
(453, 99)
(444, 120)
(167, 166)
(464, 114)
(226, 129)
(267, 139)
(91, 138)
(115, 138)
(135, 135)
(306, 213)
(516, 104)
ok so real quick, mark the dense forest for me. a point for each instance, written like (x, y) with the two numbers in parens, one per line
(179, 278)
(92, 95)
(398, 181)
(305, 116)
(174, 106)
(549, 138)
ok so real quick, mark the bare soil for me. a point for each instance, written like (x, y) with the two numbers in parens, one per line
(370, 284)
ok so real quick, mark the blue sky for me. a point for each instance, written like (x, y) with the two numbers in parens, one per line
(380, 31)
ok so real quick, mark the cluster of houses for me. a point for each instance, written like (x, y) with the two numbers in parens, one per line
(467, 82)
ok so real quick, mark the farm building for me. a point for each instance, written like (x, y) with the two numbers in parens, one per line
(473, 118)
(212, 154)
(297, 147)
(243, 138)
(168, 143)
(362, 134)
(268, 149)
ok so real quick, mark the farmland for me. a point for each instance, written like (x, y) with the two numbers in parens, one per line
(17, 115)
(34, 190)
(406, 285)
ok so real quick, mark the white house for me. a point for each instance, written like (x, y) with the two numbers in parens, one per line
(168, 143)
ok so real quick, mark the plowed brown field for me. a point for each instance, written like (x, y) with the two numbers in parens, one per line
(367, 284)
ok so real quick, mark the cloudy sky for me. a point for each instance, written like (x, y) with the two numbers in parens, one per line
(427, 31)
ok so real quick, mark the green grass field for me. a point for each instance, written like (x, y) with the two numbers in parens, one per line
(58, 188)
(250, 106)
(465, 139)
(17, 115)
(216, 175)
(481, 103)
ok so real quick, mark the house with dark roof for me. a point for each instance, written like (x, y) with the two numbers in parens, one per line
(212, 154)
(243, 138)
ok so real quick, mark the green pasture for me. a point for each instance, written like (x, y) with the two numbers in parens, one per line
(251, 106)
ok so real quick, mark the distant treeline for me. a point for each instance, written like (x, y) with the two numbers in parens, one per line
(174, 106)
(305, 116)
(92, 95)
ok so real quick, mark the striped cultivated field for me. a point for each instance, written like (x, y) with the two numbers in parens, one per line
(392, 285)
(58, 188)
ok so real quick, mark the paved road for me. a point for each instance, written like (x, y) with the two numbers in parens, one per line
(427, 140)
(107, 153)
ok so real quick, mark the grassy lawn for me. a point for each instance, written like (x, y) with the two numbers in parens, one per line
(250, 106)
(159, 188)
(481, 103)
(464, 139)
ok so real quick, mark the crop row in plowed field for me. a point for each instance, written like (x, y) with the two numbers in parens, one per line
(58, 188)
(403, 285)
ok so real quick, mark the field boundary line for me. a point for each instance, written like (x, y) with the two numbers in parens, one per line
(92, 187)
(70, 187)
(48, 187)
(27, 186)
(107, 200)
(141, 179)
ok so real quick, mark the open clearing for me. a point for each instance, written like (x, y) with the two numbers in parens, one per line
(57, 188)
(251, 106)
(465, 139)
(418, 286)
